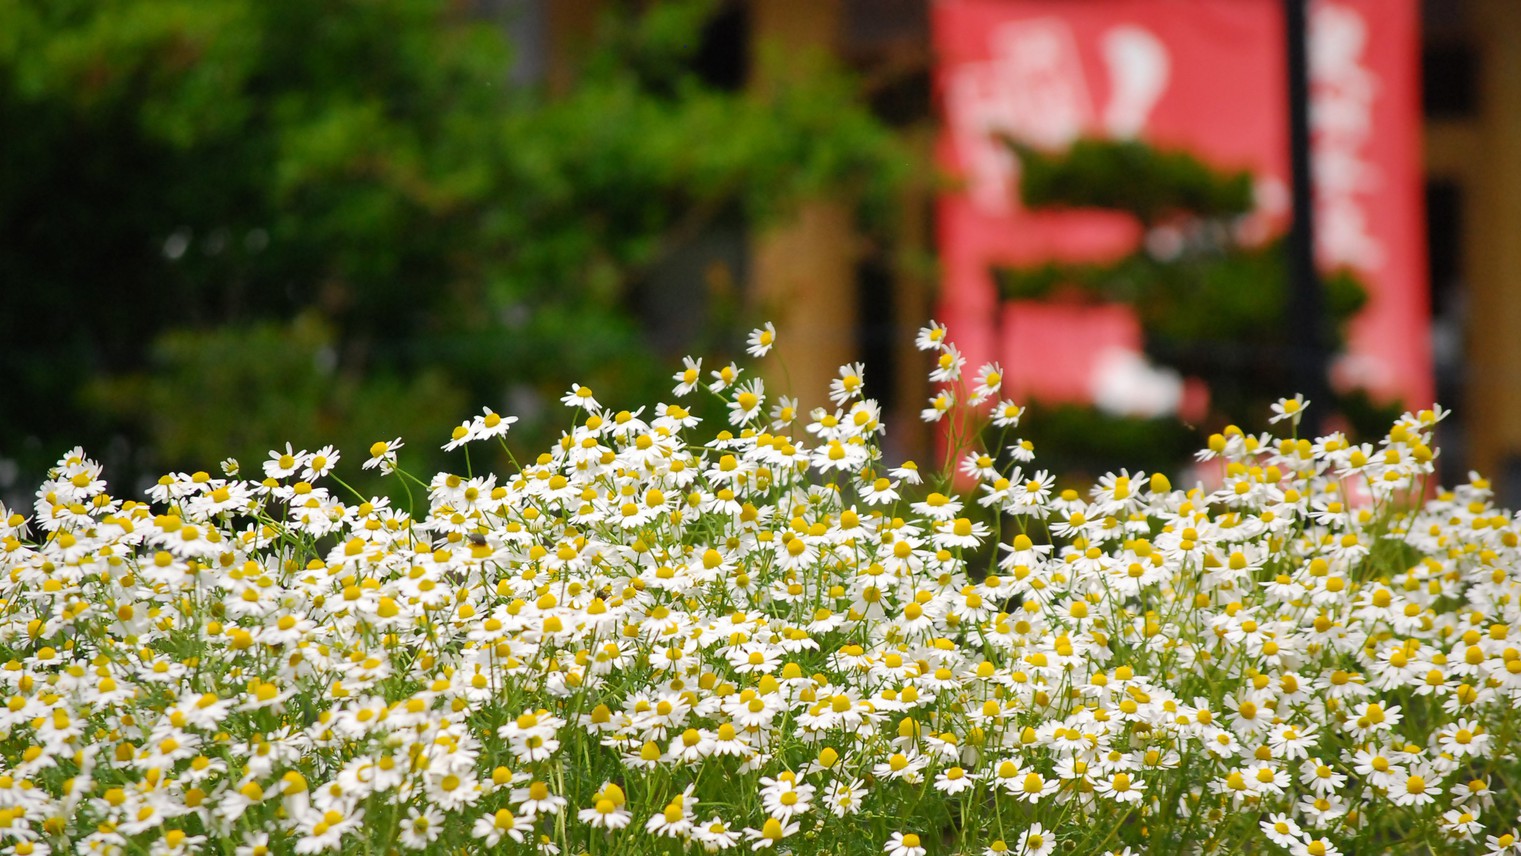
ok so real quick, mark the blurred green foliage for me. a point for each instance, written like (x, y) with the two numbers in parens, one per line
(229, 223)
(290, 372)
(1130, 176)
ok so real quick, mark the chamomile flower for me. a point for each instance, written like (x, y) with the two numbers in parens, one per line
(729, 741)
(987, 383)
(1006, 414)
(979, 465)
(492, 827)
(930, 336)
(322, 830)
(1321, 777)
(1031, 787)
(948, 365)
(1369, 718)
(422, 827)
(1021, 450)
(844, 797)
(254, 844)
(319, 464)
(462, 434)
(581, 397)
(1474, 793)
(899, 765)
(784, 797)
(1419, 787)
(961, 533)
(675, 820)
(490, 424)
(1461, 825)
(849, 384)
(1464, 737)
(1035, 841)
(689, 378)
(1506, 843)
(1291, 409)
(1311, 845)
(904, 844)
(761, 340)
(536, 799)
(770, 833)
(907, 472)
(747, 401)
(954, 780)
(881, 491)
(724, 378)
(1292, 742)
(533, 735)
(607, 810)
(1281, 829)
(383, 455)
(783, 412)
(1121, 788)
(715, 835)
(283, 465)
(939, 507)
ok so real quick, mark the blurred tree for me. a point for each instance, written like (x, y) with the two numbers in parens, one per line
(228, 223)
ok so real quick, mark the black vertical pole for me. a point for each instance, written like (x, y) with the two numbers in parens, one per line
(1306, 317)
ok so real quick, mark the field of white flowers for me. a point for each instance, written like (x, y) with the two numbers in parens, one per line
(668, 635)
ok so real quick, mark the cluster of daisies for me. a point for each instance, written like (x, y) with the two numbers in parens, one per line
(726, 625)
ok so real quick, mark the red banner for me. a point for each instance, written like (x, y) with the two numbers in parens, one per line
(1207, 77)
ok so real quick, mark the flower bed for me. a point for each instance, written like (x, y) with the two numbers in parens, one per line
(660, 638)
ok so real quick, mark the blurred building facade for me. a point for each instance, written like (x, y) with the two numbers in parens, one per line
(839, 297)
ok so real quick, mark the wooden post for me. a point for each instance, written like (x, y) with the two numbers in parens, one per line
(803, 275)
(1495, 310)
(572, 26)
